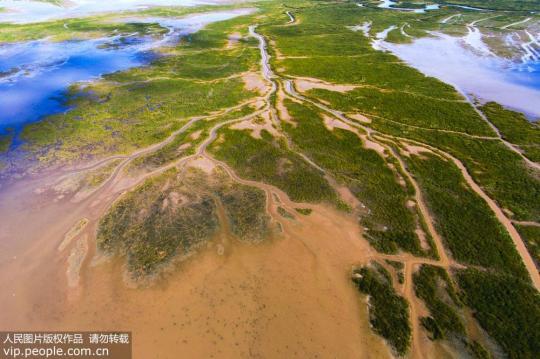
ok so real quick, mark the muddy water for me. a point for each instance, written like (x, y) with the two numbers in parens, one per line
(290, 296)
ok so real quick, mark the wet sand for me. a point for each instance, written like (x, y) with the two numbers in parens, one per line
(290, 296)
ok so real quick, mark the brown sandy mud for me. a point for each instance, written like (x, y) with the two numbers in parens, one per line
(290, 295)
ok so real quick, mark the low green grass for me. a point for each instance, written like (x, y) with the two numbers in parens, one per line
(96, 177)
(515, 128)
(127, 117)
(464, 220)
(388, 312)
(506, 307)
(183, 144)
(132, 109)
(75, 29)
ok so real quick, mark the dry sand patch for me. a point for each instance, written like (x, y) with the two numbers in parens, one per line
(233, 39)
(254, 82)
(306, 84)
(257, 125)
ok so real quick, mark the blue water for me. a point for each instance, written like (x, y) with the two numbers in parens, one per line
(527, 75)
(488, 78)
(35, 75)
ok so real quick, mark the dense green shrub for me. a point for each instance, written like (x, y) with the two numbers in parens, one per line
(389, 312)
(507, 308)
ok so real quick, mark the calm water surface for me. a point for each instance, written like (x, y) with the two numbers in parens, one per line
(486, 77)
(25, 11)
(35, 75)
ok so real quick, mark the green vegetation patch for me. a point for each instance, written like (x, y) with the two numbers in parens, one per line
(388, 312)
(96, 26)
(395, 264)
(477, 350)
(466, 223)
(304, 211)
(398, 267)
(5, 142)
(502, 173)
(507, 308)
(75, 29)
(284, 213)
(95, 178)
(389, 222)
(531, 237)
(183, 144)
(515, 128)
(332, 52)
(245, 208)
(269, 160)
(133, 109)
(409, 109)
(160, 219)
(435, 288)
(174, 213)
(377, 69)
(119, 119)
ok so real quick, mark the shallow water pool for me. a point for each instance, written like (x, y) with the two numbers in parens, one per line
(486, 77)
(35, 75)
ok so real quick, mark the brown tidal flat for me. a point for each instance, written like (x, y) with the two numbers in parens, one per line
(288, 296)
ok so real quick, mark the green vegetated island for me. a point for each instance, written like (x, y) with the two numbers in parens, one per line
(293, 97)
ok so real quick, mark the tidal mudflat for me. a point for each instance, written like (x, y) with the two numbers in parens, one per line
(272, 186)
